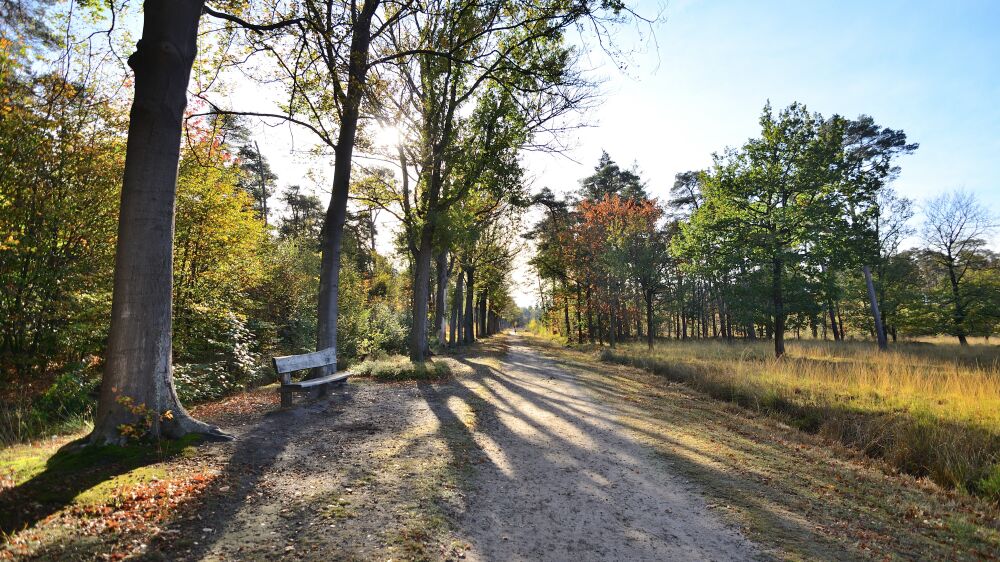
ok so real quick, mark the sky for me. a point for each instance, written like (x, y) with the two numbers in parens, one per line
(931, 69)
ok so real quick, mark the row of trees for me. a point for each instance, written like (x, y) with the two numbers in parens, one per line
(772, 239)
(467, 85)
(243, 276)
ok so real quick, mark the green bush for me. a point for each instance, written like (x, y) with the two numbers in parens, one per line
(224, 361)
(71, 394)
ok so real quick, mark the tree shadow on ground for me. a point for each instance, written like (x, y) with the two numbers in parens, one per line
(73, 470)
(254, 453)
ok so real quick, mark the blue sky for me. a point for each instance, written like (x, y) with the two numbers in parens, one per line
(929, 68)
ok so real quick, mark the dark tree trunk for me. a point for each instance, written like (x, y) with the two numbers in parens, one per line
(456, 309)
(590, 315)
(650, 329)
(421, 292)
(579, 324)
(470, 335)
(566, 311)
(482, 314)
(613, 322)
(332, 237)
(873, 301)
(441, 262)
(958, 316)
(139, 352)
(833, 322)
(778, 302)
(840, 324)
(600, 328)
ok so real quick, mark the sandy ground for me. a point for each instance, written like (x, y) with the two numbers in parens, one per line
(510, 460)
(566, 483)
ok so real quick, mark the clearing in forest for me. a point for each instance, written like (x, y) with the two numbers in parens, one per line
(528, 452)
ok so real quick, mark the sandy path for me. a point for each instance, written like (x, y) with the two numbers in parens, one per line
(512, 459)
(564, 482)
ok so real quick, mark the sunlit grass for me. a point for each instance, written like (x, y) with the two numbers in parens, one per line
(400, 368)
(928, 408)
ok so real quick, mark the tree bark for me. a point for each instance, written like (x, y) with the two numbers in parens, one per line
(873, 301)
(421, 290)
(139, 352)
(833, 322)
(332, 236)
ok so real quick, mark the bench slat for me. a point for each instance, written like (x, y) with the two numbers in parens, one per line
(316, 382)
(320, 358)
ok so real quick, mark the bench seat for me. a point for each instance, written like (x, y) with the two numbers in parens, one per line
(285, 366)
(309, 383)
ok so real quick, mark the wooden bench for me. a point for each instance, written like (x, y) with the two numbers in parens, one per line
(288, 364)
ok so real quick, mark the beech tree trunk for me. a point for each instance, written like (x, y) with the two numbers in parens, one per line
(421, 290)
(332, 236)
(139, 352)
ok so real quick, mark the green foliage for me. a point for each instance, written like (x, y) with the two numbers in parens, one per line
(400, 368)
(59, 183)
(71, 393)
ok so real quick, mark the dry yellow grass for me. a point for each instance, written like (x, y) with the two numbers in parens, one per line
(929, 409)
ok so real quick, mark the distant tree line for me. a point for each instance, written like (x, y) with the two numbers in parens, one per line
(769, 241)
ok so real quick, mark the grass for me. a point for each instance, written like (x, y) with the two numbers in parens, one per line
(800, 496)
(21, 422)
(928, 409)
(400, 368)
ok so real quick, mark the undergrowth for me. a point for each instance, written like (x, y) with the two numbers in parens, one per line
(400, 368)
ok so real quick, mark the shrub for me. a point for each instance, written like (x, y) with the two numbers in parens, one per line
(400, 368)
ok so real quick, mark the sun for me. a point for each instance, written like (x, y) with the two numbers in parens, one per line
(386, 137)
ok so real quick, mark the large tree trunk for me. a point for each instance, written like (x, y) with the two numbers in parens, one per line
(332, 237)
(777, 300)
(139, 353)
(421, 290)
(441, 263)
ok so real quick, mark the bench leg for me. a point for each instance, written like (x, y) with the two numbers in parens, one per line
(286, 397)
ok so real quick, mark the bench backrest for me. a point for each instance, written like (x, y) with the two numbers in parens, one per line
(290, 363)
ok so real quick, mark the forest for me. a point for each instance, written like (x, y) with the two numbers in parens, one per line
(157, 252)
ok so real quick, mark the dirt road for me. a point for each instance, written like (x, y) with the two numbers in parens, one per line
(511, 459)
(564, 482)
